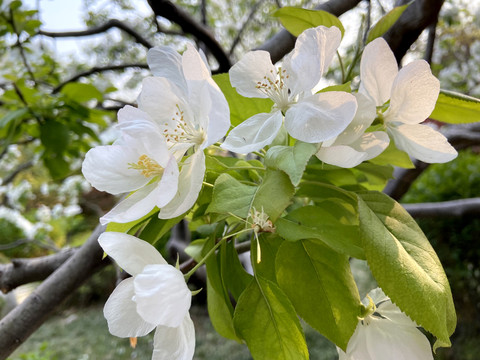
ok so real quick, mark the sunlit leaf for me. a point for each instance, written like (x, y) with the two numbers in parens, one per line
(297, 20)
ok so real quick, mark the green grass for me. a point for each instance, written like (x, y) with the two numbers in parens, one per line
(82, 334)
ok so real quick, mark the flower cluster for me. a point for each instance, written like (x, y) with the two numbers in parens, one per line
(159, 159)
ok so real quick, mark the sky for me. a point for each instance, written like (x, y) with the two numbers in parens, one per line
(58, 15)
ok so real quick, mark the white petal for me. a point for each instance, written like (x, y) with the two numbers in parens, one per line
(162, 296)
(190, 183)
(107, 169)
(414, 94)
(341, 155)
(168, 185)
(165, 62)
(138, 204)
(254, 133)
(313, 53)
(252, 68)
(423, 143)
(132, 114)
(129, 252)
(194, 67)
(372, 144)
(366, 113)
(400, 342)
(175, 343)
(159, 98)
(320, 116)
(218, 117)
(378, 69)
(200, 103)
(121, 313)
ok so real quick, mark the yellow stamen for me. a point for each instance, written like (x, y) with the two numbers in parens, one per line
(147, 166)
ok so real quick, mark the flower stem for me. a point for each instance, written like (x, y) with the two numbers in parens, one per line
(211, 251)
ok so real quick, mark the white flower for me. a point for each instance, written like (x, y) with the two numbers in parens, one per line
(156, 296)
(386, 333)
(192, 113)
(354, 145)
(413, 92)
(309, 116)
(138, 161)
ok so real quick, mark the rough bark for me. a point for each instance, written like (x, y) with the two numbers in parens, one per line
(24, 271)
(445, 209)
(22, 321)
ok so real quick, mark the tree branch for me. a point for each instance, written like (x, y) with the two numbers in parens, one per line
(283, 42)
(459, 136)
(97, 69)
(24, 271)
(172, 12)
(446, 209)
(8, 179)
(236, 41)
(114, 23)
(23, 320)
(406, 30)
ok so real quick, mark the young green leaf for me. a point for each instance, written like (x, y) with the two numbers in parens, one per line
(290, 159)
(273, 195)
(266, 320)
(405, 265)
(386, 22)
(455, 108)
(241, 108)
(81, 92)
(231, 196)
(320, 285)
(392, 156)
(297, 20)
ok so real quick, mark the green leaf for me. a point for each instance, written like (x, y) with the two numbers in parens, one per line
(319, 191)
(266, 320)
(233, 272)
(194, 249)
(334, 223)
(274, 194)
(12, 115)
(320, 285)
(297, 20)
(156, 228)
(241, 108)
(125, 227)
(56, 164)
(231, 196)
(386, 22)
(373, 176)
(269, 244)
(80, 92)
(220, 312)
(290, 159)
(405, 265)
(455, 108)
(393, 156)
(55, 136)
(343, 87)
(220, 308)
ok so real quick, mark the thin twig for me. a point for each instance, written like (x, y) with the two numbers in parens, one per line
(114, 23)
(97, 69)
